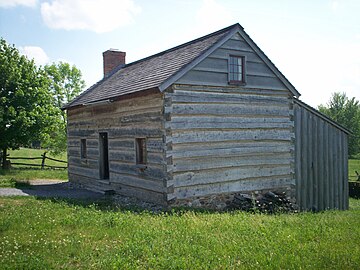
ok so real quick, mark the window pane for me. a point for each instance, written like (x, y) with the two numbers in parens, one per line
(236, 68)
(239, 61)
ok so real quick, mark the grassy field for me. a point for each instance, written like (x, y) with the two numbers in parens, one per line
(45, 234)
(20, 175)
(354, 165)
(27, 152)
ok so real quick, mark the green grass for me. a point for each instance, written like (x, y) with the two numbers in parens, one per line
(19, 175)
(45, 234)
(27, 152)
(354, 165)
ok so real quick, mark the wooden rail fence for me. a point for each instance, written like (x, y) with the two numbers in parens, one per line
(43, 159)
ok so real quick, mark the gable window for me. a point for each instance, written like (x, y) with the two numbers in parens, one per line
(236, 69)
(141, 153)
(83, 148)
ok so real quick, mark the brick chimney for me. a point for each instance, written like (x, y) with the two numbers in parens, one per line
(112, 59)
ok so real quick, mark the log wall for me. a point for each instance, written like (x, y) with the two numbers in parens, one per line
(123, 120)
(226, 139)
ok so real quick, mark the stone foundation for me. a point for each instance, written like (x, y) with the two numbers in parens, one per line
(223, 201)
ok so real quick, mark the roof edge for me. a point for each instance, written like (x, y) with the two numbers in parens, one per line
(173, 78)
(269, 63)
(322, 116)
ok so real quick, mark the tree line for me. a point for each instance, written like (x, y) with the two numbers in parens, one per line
(345, 111)
(31, 98)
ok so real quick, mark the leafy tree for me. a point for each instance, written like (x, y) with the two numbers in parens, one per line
(25, 111)
(346, 112)
(66, 84)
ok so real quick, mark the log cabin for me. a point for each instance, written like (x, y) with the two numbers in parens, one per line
(198, 123)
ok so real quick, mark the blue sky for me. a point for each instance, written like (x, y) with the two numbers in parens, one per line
(315, 44)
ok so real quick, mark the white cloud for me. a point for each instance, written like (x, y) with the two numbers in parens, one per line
(36, 53)
(14, 3)
(93, 15)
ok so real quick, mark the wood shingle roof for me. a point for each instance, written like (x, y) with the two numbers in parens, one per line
(150, 72)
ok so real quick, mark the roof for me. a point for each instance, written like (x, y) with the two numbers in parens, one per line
(162, 69)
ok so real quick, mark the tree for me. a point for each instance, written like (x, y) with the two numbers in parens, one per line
(25, 110)
(346, 112)
(66, 84)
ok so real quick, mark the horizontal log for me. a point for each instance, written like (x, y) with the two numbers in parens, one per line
(88, 172)
(229, 174)
(263, 91)
(122, 143)
(208, 136)
(119, 120)
(128, 105)
(77, 161)
(229, 151)
(224, 109)
(231, 144)
(181, 96)
(136, 182)
(142, 194)
(201, 122)
(201, 163)
(135, 132)
(234, 186)
(150, 171)
(152, 158)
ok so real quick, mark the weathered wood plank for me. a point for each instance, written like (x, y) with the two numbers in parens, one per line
(135, 132)
(136, 182)
(88, 172)
(202, 122)
(319, 164)
(223, 109)
(229, 151)
(327, 145)
(267, 91)
(298, 154)
(155, 173)
(224, 54)
(228, 174)
(143, 194)
(230, 144)
(234, 186)
(304, 163)
(214, 97)
(201, 163)
(346, 182)
(213, 136)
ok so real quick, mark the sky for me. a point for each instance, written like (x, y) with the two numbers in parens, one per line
(315, 44)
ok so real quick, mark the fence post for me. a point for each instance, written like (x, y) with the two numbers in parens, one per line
(43, 160)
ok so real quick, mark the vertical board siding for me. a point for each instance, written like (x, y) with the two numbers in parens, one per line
(321, 162)
(226, 141)
(123, 120)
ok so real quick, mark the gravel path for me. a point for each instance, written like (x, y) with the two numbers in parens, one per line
(51, 189)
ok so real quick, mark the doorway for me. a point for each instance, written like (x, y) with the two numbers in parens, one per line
(103, 156)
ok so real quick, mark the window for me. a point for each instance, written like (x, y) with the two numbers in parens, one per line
(236, 69)
(140, 150)
(83, 148)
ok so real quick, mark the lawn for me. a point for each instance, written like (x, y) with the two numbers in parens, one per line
(27, 152)
(48, 234)
(20, 174)
(354, 165)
